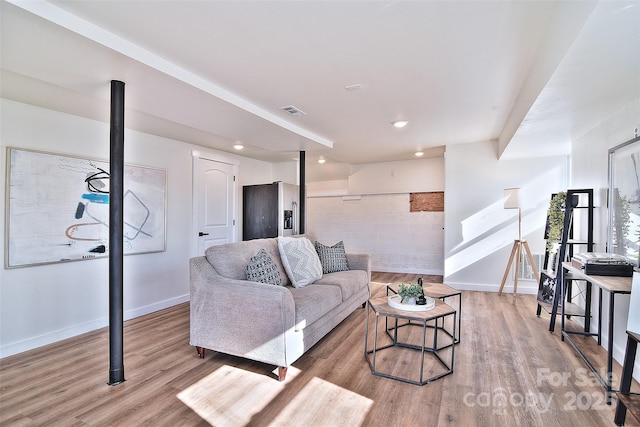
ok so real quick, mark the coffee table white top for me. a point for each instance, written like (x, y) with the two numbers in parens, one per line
(395, 301)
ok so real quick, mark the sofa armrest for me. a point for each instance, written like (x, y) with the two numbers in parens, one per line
(360, 262)
(239, 317)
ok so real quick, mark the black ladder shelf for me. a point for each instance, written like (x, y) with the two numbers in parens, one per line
(548, 276)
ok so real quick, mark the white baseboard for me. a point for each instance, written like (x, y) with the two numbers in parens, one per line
(74, 330)
(160, 305)
(407, 270)
(51, 337)
(524, 287)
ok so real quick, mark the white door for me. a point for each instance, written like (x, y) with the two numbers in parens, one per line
(214, 190)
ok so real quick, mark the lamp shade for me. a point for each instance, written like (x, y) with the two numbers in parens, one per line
(511, 198)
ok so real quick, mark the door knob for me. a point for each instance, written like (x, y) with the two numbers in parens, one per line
(202, 234)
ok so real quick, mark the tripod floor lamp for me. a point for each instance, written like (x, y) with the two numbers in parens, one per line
(512, 201)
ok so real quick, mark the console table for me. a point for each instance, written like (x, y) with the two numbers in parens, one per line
(614, 285)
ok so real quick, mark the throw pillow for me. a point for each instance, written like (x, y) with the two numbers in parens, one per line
(333, 258)
(262, 269)
(300, 260)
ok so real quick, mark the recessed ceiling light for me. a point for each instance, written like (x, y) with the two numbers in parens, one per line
(238, 146)
(321, 161)
(419, 153)
(400, 123)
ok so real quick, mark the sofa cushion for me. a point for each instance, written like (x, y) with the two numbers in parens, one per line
(314, 301)
(300, 260)
(230, 260)
(333, 258)
(262, 269)
(349, 282)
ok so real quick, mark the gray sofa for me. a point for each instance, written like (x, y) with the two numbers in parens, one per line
(264, 322)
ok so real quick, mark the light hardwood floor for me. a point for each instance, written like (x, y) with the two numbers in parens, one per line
(509, 371)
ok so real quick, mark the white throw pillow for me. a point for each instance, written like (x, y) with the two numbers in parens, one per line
(300, 260)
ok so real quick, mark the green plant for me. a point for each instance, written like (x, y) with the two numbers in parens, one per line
(621, 221)
(410, 290)
(555, 213)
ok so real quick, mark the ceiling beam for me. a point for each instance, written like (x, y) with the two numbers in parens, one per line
(86, 29)
(563, 29)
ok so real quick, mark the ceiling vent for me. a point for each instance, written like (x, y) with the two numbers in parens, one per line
(293, 111)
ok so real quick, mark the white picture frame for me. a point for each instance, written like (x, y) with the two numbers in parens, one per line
(633, 322)
(623, 236)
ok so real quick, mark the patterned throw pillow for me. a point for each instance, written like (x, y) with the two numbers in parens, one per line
(262, 269)
(333, 258)
(300, 260)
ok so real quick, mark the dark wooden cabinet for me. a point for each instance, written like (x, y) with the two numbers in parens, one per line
(259, 211)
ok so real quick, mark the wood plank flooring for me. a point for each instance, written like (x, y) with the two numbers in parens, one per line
(509, 371)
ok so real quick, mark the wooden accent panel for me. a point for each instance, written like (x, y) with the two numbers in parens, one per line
(427, 202)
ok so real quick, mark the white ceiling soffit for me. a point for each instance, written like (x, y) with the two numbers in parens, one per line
(119, 59)
(560, 33)
(597, 78)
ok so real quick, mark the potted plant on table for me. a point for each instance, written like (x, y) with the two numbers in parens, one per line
(410, 292)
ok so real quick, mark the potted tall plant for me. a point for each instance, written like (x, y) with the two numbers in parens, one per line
(555, 215)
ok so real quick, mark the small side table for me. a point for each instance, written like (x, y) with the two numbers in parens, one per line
(627, 400)
(386, 342)
(441, 292)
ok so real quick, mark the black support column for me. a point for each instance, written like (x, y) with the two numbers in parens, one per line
(116, 232)
(303, 193)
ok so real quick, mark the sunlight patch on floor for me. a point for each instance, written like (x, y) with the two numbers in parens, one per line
(321, 403)
(235, 397)
(231, 396)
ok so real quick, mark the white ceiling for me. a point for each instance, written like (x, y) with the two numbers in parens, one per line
(531, 74)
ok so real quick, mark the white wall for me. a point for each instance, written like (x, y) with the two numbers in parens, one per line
(407, 176)
(286, 172)
(374, 216)
(381, 225)
(479, 232)
(589, 169)
(43, 304)
(338, 187)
